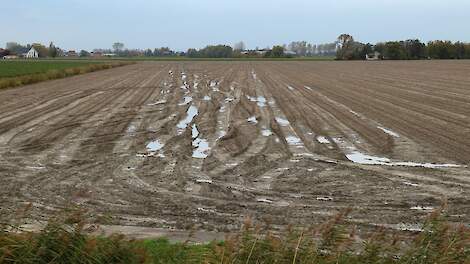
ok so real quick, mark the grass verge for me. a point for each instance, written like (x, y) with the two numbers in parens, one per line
(57, 74)
(68, 240)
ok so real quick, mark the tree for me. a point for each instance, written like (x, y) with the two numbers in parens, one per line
(239, 46)
(441, 50)
(192, 53)
(41, 49)
(52, 50)
(84, 53)
(277, 51)
(16, 48)
(118, 47)
(345, 50)
(148, 53)
(414, 49)
(299, 47)
(394, 50)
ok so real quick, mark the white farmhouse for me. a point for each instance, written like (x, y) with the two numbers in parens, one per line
(32, 53)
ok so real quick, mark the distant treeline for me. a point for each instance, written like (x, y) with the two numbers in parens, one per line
(413, 49)
(344, 48)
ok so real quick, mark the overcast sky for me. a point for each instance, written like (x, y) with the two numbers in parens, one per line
(180, 24)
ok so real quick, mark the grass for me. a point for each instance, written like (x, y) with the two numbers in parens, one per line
(17, 73)
(68, 240)
(27, 67)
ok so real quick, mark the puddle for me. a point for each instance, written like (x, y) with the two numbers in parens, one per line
(323, 140)
(411, 184)
(292, 140)
(358, 157)
(155, 146)
(206, 98)
(252, 120)
(266, 132)
(203, 181)
(190, 114)
(194, 131)
(206, 210)
(355, 113)
(260, 100)
(389, 132)
(186, 100)
(157, 103)
(422, 208)
(201, 145)
(282, 122)
(264, 200)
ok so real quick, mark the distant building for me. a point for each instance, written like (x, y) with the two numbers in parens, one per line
(96, 54)
(109, 54)
(10, 57)
(71, 53)
(262, 51)
(373, 56)
(4, 52)
(32, 53)
(290, 53)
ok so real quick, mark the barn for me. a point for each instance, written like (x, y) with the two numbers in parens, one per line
(32, 53)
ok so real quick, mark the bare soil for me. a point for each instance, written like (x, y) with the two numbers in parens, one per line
(277, 133)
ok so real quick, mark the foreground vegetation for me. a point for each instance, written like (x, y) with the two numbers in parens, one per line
(17, 73)
(28, 67)
(68, 239)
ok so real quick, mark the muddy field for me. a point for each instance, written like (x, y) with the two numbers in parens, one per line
(205, 144)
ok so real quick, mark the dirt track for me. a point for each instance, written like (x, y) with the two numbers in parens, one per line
(205, 144)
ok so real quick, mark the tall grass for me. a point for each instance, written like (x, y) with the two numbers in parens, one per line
(69, 239)
(57, 74)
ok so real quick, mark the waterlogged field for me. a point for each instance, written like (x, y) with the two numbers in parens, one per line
(26, 67)
(206, 144)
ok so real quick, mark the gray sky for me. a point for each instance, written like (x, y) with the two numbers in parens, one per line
(180, 24)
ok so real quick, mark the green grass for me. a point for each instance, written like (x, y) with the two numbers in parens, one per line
(20, 73)
(27, 67)
(68, 239)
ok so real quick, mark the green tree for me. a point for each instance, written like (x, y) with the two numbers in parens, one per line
(277, 51)
(41, 49)
(345, 51)
(16, 48)
(414, 49)
(394, 50)
(84, 53)
(52, 50)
